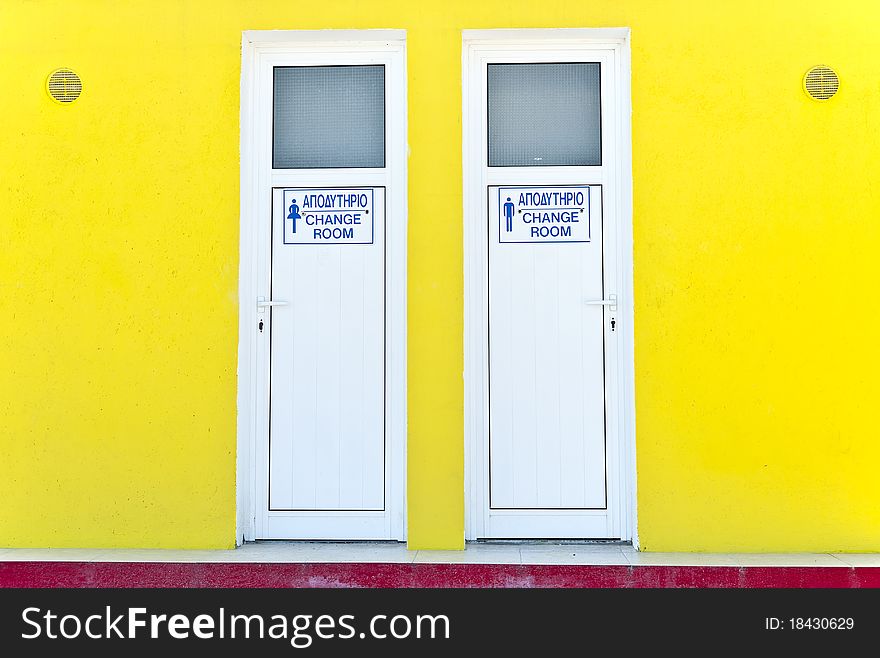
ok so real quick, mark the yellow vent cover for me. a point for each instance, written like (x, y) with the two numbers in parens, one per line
(821, 83)
(64, 86)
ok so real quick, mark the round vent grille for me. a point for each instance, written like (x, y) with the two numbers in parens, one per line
(64, 85)
(821, 83)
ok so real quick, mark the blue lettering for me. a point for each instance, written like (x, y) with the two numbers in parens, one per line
(335, 233)
(551, 199)
(550, 231)
(333, 219)
(344, 201)
(565, 216)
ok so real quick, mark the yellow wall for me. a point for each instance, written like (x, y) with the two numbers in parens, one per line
(756, 234)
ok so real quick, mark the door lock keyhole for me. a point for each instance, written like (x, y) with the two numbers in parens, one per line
(261, 326)
(613, 323)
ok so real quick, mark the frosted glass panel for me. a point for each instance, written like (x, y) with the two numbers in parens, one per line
(544, 114)
(328, 117)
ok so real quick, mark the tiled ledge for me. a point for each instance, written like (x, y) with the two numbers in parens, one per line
(476, 553)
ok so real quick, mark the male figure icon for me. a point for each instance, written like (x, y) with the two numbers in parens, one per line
(508, 214)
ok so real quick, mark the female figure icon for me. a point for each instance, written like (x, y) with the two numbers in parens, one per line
(293, 213)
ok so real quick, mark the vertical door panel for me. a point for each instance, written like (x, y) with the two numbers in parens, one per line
(546, 365)
(327, 434)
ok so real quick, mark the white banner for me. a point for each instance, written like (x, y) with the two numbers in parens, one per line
(530, 213)
(328, 216)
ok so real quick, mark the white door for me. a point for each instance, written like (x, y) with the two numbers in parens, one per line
(546, 351)
(543, 128)
(327, 407)
(331, 303)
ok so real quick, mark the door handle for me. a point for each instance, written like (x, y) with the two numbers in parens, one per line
(611, 302)
(263, 303)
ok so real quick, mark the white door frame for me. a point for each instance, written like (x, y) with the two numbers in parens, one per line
(613, 46)
(260, 51)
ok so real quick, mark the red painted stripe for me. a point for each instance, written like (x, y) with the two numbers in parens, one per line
(158, 574)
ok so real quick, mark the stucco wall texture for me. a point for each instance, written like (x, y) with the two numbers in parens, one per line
(755, 226)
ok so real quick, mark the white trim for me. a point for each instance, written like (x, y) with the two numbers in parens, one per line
(625, 244)
(477, 46)
(546, 36)
(328, 38)
(259, 50)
